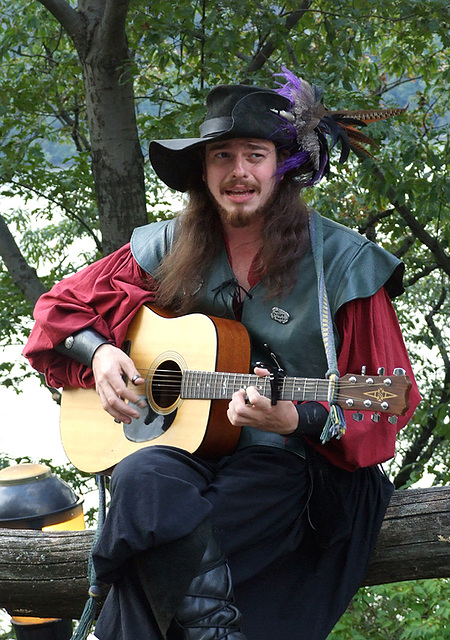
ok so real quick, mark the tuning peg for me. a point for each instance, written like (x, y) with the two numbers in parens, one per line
(358, 416)
(363, 370)
(393, 419)
(399, 371)
(381, 371)
(375, 417)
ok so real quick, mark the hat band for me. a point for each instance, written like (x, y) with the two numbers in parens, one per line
(215, 126)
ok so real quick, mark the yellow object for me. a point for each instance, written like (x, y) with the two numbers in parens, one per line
(74, 524)
(30, 620)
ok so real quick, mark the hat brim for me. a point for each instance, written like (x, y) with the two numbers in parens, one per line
(177, 162)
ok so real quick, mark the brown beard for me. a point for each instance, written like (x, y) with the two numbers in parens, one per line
(236, 216)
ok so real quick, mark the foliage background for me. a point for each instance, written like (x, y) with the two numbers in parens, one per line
(363, 53)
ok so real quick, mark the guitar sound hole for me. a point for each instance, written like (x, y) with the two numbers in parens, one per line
(166, 384)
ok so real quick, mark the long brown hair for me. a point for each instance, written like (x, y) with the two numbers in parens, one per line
(199, 238)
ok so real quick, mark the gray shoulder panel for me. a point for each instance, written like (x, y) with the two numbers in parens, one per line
(150, 243)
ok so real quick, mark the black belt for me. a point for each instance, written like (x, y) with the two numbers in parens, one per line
(251, 437)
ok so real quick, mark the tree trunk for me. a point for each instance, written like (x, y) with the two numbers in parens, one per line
(97, 29)
(117, 161)
(44, 574)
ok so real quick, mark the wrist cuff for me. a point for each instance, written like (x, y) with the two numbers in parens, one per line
(312, 417)
(82, 345)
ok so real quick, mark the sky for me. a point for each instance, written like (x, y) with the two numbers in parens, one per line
(30, 419)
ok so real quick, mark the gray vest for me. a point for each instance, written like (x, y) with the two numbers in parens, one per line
(354, 267)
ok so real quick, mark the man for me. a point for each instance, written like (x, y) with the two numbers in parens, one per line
(291, 517)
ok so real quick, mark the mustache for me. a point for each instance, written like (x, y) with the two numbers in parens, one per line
(234, 182)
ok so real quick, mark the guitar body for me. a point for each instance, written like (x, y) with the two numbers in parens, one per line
(157, 342)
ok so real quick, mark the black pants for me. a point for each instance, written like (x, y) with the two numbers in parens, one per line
(286, 584)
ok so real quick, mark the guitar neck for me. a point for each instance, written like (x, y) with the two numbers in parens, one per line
(202, 385)
(384, 394)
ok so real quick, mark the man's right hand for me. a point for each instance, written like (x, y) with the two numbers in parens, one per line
(112, 369)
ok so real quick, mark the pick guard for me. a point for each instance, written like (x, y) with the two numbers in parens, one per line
(149, 425)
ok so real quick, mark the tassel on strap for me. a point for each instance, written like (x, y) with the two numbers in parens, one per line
(335, 425)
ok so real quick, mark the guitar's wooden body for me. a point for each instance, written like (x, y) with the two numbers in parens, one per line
(94, 442)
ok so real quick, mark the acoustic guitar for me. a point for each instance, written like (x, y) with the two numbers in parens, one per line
(192, 365)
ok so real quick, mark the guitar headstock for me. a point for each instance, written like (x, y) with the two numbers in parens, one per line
(378, 394)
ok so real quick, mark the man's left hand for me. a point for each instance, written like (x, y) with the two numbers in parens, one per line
(249, 408)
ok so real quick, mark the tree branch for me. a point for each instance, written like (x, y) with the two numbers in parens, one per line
(421, 274)
(416, 456)
(81, 142)
(437, 334)
(368, 226)
(405, 246)
(373, 218)
(68, 211)
(388, 87)
(442, 259)
(23, 276)
(67, 17)
(269, 47)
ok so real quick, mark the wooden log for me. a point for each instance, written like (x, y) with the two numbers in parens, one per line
(44, 573)
(414, 540)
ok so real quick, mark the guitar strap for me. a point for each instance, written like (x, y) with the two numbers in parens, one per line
(335, 425)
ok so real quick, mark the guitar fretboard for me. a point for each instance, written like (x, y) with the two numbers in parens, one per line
(201, 385)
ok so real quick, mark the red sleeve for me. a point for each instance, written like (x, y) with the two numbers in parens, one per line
(370, 336)
(104, 296)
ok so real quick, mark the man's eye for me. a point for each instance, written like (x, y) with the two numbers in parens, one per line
(256, 156)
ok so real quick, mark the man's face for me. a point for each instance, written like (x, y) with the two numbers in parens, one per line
(240, 175)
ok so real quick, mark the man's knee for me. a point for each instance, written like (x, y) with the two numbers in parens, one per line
(159, 463)
(142, 462)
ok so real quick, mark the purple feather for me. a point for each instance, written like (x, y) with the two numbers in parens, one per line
(292, 86)
(293, 162)
(304, 100)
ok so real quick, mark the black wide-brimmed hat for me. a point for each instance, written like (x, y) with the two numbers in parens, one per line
(293, 117)
(233, 111)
